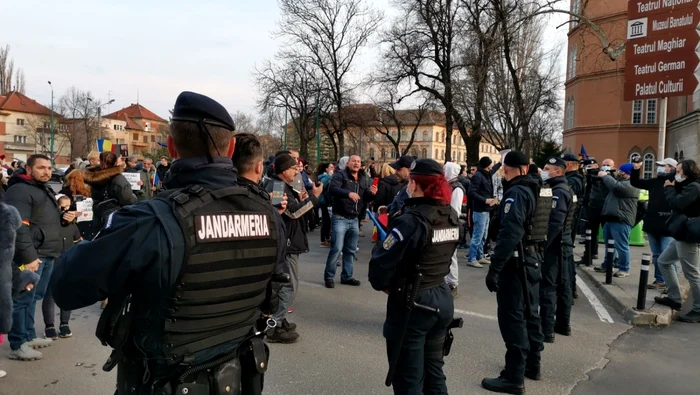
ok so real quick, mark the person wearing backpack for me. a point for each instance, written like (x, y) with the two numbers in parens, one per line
(683, 195)
(325, 171)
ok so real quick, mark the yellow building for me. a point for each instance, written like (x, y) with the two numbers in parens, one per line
(25, 129)
(138, 127)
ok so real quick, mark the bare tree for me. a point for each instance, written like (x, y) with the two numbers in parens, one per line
(422, 49)
(80, 110)
(244, 122)
(328, 34)
(396, 125)
(8, 74)
(295, 87)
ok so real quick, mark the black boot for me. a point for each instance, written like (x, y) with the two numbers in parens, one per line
(564, 330)
(533, 372)
(575, 293)
(549, 338)
(503, 385)
(280, 335)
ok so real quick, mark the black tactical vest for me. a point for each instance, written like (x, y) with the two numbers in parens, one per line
(231, 240)
(536, 227)
(442, 225)
(572, 207)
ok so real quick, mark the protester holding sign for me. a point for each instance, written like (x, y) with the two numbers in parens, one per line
(110, 189)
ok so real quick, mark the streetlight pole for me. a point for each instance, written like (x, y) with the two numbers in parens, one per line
(52, 133)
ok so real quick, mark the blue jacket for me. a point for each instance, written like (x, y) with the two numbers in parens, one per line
(340, 187)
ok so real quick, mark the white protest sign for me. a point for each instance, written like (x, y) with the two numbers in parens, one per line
(133, 179)
(84, 207)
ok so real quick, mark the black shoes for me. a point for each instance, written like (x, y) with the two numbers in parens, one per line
(562, 330)
(64, 331)
(51, 333)
(289, 326)
(280, 335)
(352, 281)
(503, 385)
(330, 284)
(693, 317)
(574, 294)
(666, 301)
(533, 372)
(549, 338)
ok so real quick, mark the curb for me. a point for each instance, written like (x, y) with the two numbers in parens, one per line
(656, 315)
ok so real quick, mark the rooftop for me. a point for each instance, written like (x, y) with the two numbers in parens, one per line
(136, 111)
(17, 102)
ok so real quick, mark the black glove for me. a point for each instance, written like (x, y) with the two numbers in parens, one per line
(492, 281)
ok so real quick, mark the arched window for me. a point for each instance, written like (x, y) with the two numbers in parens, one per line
(425, 136)
(570, 106)
(436, 154)
(383, 153)
(371, 152)
(572, 62)
(443, 154)
(648, 165)
(675, 156)
(443, 138)
(681, 157)
(424, 153)
(633, 154)
(393, 153)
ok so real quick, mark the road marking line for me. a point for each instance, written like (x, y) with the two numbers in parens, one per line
(595, 302)
(473, 314)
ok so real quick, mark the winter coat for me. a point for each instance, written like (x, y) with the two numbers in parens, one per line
(108, 184)
(39, 211)
(658, 209)
(146, 191)
(341, 186)
(465, 182)
(451, 173)
(481, 188)
(10, 221)
(684, 197)
(387, 189)
(621, 202)
(324, 179)
(297, 242)
(497, 187)
(70, 235)
(162, 171)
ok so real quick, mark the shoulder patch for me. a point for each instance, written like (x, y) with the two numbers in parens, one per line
(109, 220)
(506, 208)
(212, 228)
(398, 233)
(554, 203)
(510, 200)
(389, 242)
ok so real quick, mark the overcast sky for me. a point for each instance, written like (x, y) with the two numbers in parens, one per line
(153, 48)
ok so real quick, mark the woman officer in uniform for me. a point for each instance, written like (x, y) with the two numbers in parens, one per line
(418, 250)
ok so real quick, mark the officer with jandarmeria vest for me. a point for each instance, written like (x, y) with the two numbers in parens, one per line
(514, 274)
(185, 272)
(555, 287)
(418, 251)
(577, 183)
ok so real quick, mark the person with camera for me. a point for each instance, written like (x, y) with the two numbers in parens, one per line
(683, 195)
(657, 213)
(594, 200)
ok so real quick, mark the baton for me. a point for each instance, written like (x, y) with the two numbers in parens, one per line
(380, 229)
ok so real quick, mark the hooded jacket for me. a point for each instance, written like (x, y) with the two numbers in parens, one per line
(658, 210)
(621, 202)
(41, 218)
(10, 221)
(451, 173)
(387, 189)
(109, 184)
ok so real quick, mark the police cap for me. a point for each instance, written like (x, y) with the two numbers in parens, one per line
(193, 107)
(556, 162)
(569, 157)
(426, 167)
(515, 159)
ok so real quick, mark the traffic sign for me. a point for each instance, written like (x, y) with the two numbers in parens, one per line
(660, 52)
(641, 8)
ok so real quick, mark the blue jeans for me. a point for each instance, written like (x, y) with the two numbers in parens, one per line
(24, 306)
(481, 227)
(658, 244)
(344, 235)
(620, 233)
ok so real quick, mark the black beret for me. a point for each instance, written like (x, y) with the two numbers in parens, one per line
(569, 157)
(426, 167)
(556, 162)
(193, 107)
(515, 159)
(403, 161)
(284, 162)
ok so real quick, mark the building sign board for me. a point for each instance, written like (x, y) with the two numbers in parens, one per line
(641, 8)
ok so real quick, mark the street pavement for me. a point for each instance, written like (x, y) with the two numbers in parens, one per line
(342, 351)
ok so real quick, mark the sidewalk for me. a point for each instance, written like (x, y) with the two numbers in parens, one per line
(622, 293)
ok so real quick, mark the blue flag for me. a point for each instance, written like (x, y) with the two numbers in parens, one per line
(583, 154)
(156, 179)
(380, 229)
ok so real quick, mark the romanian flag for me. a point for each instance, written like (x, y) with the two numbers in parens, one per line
(583, 154)
(105, 146)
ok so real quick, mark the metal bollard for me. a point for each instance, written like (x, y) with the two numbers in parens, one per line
(610, 259)
(643, 279)
(589, 248)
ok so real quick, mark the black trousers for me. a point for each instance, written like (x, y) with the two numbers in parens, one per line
(555, 290)
(420, 363)
(521, 329)
(595, 221)
(325, 225)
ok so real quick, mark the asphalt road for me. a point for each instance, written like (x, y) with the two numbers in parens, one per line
(342, 351)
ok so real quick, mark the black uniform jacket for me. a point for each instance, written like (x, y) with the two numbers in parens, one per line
(561, 201)
(517, 207)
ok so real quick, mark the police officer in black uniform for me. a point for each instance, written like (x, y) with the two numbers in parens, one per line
(555, 288)
(410, 265)
(576, 182)
(514, 274)
(185, 272)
